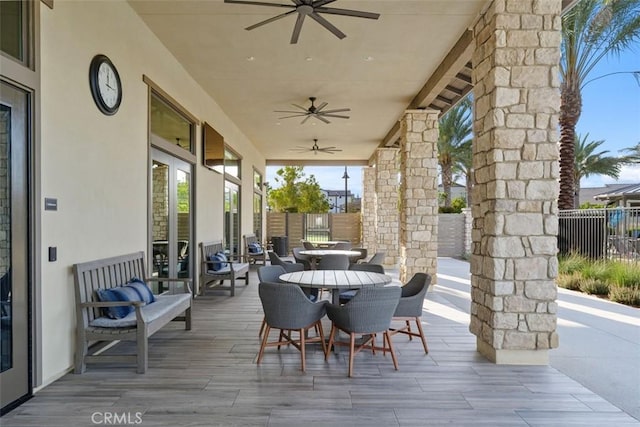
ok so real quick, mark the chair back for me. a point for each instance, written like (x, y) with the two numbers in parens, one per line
(308, 245)
(378, 258)
(275, 259)
(286, 306)
(363, 254)
(270, 273)
(334, 262)
(302, 259)
(413, 294)
(342, 246)
(369, 311)
(371, 268)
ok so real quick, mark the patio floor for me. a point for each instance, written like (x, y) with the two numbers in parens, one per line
(208, 377)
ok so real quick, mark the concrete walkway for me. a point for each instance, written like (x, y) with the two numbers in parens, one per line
(599, 340)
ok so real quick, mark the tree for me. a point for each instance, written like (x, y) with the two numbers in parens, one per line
(591, 30)
(634, 154)
(588, 163)
(454, 134)
(296, 194)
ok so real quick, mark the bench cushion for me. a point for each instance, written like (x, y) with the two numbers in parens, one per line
(150, 312)
(239, 267)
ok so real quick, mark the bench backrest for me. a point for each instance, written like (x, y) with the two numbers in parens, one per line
(210, 248)
(104, 274)
(248, 239)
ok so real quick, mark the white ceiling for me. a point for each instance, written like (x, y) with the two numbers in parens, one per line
(405, 45)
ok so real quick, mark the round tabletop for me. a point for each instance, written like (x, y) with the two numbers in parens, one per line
(322, 252)
(336, 279)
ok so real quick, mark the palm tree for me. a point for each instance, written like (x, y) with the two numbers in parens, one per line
(454, 133)
(634, 154)
(591, 30)
(589, 163)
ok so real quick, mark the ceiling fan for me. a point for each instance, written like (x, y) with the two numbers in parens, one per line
(315, 149)
(313, 111)
(310, 8)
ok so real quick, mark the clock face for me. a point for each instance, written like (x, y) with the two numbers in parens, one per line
(106, 87)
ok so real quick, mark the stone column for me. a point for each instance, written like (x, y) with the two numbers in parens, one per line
(419, 194)
(468, 221)
(515, 158)
(387, 215)
(368, 209)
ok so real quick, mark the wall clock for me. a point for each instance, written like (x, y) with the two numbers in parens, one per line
(105, 84)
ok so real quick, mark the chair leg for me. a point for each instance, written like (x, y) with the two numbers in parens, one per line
(264, 343)
(302, 350)
(331, 336)
(262, 325)
(391, 350)
(352, 342)
(409, 330)
(321, 333)
(424, 340)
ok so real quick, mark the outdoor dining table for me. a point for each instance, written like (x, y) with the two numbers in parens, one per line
(336, 280)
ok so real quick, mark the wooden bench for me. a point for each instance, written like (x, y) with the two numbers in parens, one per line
(254, 257)
(139, 325)
(210, 278)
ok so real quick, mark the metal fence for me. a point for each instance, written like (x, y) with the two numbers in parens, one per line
(600, 233)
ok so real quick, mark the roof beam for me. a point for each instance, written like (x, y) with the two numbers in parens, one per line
(450, 66)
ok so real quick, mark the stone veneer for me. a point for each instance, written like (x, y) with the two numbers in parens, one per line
(515, 158)
(387, 214)
(160, 200)
(368, 236)
(419, 193)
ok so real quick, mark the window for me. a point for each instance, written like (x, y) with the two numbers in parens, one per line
(169, 124)
(257, 204)
(15, 36)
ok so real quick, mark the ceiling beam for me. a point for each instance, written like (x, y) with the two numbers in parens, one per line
(305, 162)
(450, 66)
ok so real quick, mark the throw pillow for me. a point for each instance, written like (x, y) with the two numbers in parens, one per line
(143, 290)
(217, 261)
(121, 293)
(255, 248)
(222, 257)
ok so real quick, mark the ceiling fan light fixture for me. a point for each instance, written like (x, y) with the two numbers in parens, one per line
(315, 111)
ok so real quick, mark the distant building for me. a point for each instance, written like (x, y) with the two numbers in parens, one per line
(457, 190)
(337, 201)
(588, 195)
(627, 196)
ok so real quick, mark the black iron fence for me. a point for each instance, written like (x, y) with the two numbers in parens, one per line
(600, 233)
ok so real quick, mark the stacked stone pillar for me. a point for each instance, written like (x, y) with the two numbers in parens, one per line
(387, 214)
(368, 209)
(515, 159)
(419, 193)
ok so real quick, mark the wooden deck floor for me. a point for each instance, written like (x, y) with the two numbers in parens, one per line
(208, 377)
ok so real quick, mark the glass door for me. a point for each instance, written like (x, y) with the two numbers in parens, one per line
(15, 335)
(171, 212)
(232, 218)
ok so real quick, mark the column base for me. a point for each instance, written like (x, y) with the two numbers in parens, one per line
(512, 357)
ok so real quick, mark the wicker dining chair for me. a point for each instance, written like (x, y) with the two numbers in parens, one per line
(334, 262)
(371, 268)
(289, 266)
(302, 259)
(288, 309)
(410, 307)
(368, 313)
(342, 246)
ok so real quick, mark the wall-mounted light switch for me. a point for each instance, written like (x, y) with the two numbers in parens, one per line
(53, 253)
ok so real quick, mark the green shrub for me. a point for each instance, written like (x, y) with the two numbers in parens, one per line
(571, 263)
(569, 281)
(594, 287)
(625, 295)
(624, 274)
(596, 270)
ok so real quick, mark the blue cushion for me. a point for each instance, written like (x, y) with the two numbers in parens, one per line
(255, 248)
(121, 293)
(219, 261)
(143, 290)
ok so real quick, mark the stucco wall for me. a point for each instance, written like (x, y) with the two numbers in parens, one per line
(97, 165)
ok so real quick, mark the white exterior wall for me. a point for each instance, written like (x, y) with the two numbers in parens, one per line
(97, 165)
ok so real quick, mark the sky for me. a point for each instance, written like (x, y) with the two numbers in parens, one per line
(610, 112)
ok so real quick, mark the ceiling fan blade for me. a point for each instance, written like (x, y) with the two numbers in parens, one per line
(321, 118)
(295, 115)
(305, 119)
(335, 116)
(267, 21)
(328, 25)
(298, 148)
(306, 110)
(348, 12)
(337, 110)
(319, 3)
(258, 3)
(321, 106)
(287, 111)
(328, 152)
(296, 29)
